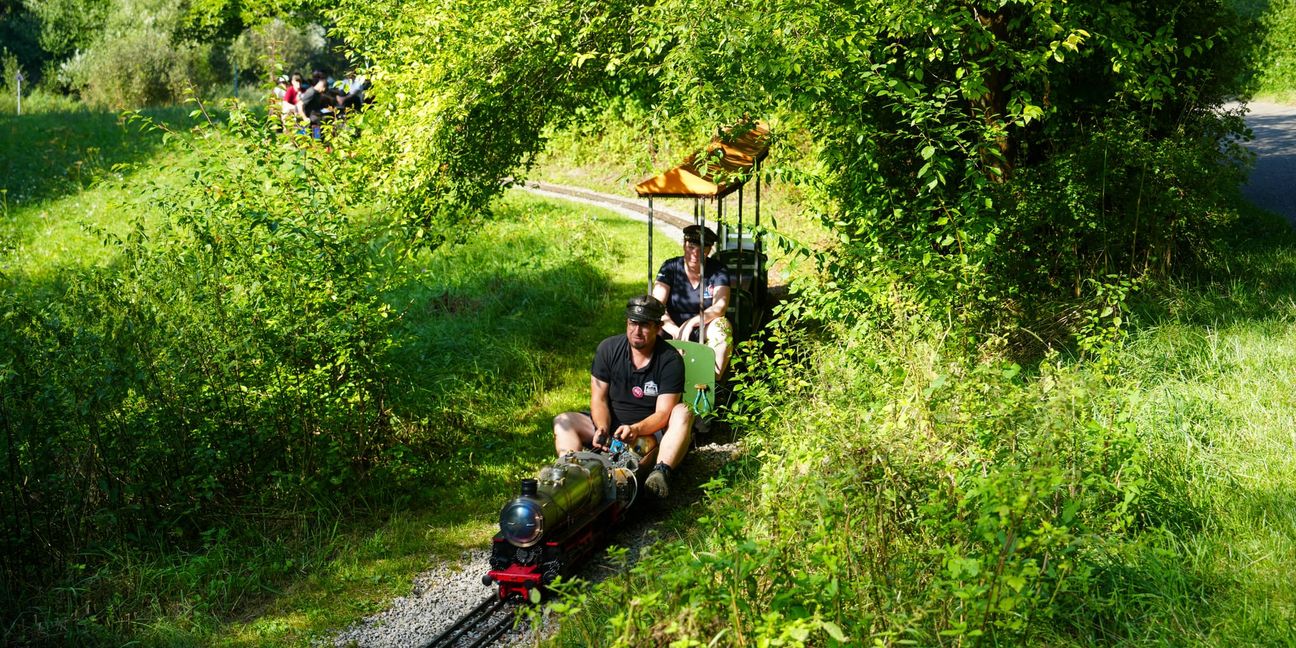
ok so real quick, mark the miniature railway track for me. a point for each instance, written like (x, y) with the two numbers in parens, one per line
(481, 626)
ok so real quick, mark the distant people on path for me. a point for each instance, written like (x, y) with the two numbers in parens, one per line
(353, 92)
(287, 92)
(315, 103)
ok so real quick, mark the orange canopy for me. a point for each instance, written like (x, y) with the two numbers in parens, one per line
(719, 171)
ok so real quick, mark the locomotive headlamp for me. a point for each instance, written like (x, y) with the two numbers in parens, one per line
(522, 520)
(522, 523)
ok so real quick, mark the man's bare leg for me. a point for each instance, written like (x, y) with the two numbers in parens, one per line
(572, 432)
(671, 452)
(676, 440)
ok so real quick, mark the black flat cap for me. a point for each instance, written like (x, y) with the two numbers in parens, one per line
(644, 308)
(695, 234)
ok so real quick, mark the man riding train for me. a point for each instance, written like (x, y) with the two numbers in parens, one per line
(636, 385)
(637, 379)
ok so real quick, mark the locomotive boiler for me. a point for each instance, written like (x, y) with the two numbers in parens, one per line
(563, 513)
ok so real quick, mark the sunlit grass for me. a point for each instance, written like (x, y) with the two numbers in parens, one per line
(1232, 397)
(70, 179)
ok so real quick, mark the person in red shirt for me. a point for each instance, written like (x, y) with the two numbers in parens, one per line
(288, 107)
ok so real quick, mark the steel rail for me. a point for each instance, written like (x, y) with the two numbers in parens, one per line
(479, 627)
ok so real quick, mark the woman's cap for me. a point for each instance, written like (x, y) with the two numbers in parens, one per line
(695, 234)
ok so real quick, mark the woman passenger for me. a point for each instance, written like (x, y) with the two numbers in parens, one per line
(677, 286)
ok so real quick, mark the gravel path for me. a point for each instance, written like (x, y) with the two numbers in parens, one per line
(1272, 181)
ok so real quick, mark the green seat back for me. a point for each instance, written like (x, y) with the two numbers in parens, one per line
(699, 369)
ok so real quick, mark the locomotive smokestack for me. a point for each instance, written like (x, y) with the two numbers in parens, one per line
(528, 488)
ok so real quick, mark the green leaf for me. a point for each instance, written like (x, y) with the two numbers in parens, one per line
(834, 631)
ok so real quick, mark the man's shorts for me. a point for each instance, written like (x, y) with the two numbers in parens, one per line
(616, 424)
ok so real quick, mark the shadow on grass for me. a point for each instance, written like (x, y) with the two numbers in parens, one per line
(45, 155)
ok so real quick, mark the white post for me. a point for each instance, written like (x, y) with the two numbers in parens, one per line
(19, 78)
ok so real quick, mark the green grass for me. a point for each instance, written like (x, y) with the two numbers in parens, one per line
(70, 176)
(1214, 361)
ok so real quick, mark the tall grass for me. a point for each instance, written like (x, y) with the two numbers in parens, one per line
(36, 101)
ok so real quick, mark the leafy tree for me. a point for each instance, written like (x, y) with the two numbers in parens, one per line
(20, 33)
(69, 25)
(926, 115)
(947, 131)
(138, 59)
(224, 20)
(465, 92)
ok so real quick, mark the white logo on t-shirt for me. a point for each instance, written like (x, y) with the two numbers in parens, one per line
(650, 388)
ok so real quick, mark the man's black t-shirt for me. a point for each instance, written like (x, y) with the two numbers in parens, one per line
(632, 393)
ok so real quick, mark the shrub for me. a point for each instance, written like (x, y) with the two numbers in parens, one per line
(135, 58)
(139, 68)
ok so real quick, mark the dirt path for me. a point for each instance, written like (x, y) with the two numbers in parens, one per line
(1272, 185)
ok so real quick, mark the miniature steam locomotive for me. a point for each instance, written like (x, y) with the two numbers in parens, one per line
(563, 513)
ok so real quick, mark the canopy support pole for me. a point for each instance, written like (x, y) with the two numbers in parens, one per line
(650, 245)
(735, 294)
(758, 281)
(702, 271)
